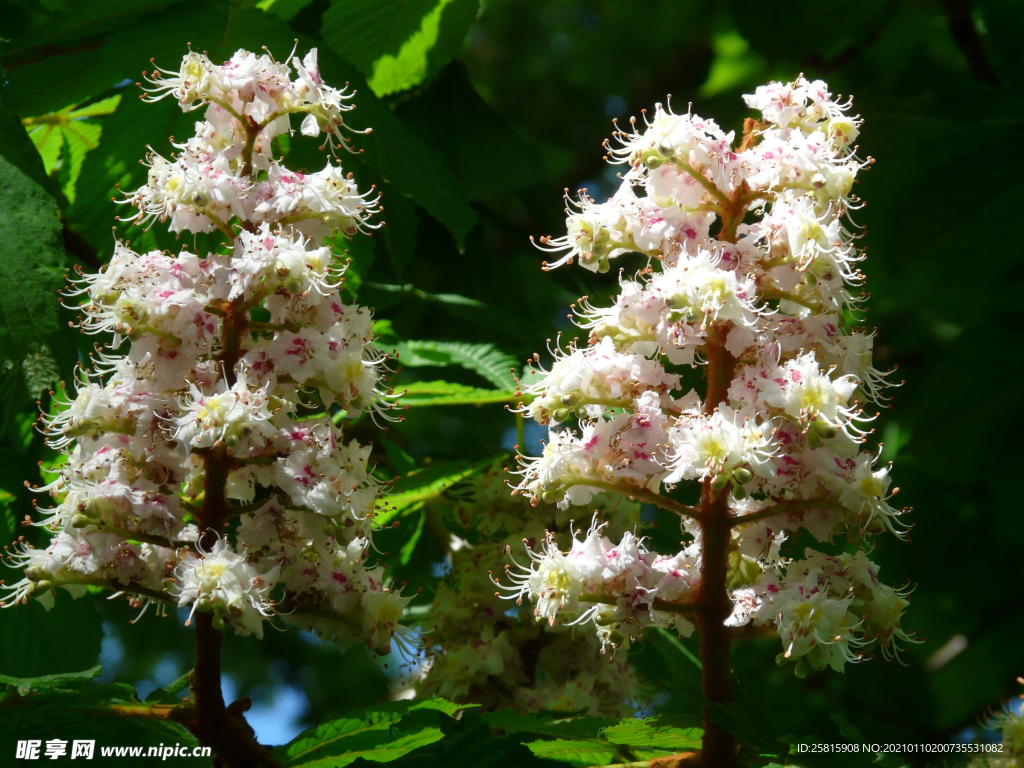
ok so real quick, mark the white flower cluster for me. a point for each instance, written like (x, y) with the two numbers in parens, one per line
(620, 587)
(750, 273)
(205, 467)
(490, 653)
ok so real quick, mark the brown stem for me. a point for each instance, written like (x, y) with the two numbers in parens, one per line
(215, 725)
(718, 746)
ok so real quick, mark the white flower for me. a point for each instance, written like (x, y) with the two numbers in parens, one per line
(315, 204)
(800, 390)
(239, 415)
(593, 379)
(715, 445)
(698, 290)
(223, 581)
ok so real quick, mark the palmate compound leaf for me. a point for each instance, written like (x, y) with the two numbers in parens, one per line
(64, 137)
(485, 359)
(381, 733)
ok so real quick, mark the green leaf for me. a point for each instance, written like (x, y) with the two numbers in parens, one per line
(400, 460)
(97, 109)
(70, 707)
(79, 137)
(399, 231)
(470, 131)
(410, 491)
(283, 9)
(580, 753)
(51, 83)
(484, 359)
(409, 548)
(398, 44)
(381, 733)
(26, 684)
(423, 393)
(48, 139)
(170, 693)
(35, 641)
(646, 734)
(469, 743)
(31, 263)
(15, 144)
(452, 299)
(546, 724)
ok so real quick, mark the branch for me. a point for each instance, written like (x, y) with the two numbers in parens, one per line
(787, 296)
(703, 180)
(115, 586)
(634, 492)
(797, 505)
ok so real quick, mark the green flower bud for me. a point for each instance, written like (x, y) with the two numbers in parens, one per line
(560, 414)
(569, 399)
(551, 496)
(218, 622)
(742, 475)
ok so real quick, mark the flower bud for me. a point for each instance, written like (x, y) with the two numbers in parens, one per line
(560, 414)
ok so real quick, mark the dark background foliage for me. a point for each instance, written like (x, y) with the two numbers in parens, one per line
(472, 157)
